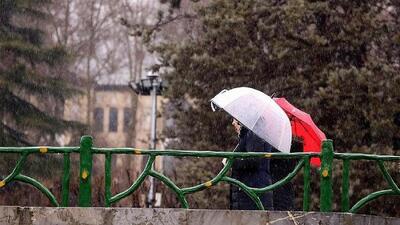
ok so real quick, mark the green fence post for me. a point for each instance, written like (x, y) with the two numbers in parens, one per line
(107, 179)
(326, 176)
(85, 192)
(65, 180)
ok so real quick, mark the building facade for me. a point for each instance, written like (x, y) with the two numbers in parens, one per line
(116, 122)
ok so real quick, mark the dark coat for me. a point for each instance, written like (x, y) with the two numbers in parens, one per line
(253, 172)
(284, 195)
(280, 168)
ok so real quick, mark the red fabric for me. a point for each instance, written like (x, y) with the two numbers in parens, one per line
(303, 127)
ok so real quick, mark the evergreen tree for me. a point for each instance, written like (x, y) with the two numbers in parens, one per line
(28, 83)
(337, 60)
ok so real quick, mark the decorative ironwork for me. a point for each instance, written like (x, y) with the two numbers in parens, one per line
(86, 151)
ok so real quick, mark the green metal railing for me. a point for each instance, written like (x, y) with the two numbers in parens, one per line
(86, 151)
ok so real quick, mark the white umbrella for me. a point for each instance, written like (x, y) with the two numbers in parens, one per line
(259, 113)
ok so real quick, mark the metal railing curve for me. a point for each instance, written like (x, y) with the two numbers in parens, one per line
(86, 152)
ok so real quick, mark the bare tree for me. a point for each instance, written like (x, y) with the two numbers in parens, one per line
(103, 52)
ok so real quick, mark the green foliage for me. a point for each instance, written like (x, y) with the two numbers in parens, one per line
(32, 91)
(337, 60)
(27, 79)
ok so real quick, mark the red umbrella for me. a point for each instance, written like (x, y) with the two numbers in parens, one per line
(303, 127)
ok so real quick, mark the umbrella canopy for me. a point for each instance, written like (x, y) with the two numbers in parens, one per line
(303, 127)
(259, 113)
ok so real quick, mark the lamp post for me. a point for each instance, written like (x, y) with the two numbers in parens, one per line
(151, 85)
(155, 85)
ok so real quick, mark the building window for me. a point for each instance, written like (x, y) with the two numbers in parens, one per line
(127, 119)
(113, 121)
(98, 119)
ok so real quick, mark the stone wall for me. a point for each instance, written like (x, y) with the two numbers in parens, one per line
(125, 216)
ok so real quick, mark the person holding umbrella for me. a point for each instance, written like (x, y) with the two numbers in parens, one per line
(253, 172)
(308, 138)
(263, 125)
